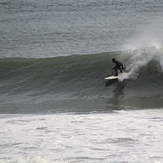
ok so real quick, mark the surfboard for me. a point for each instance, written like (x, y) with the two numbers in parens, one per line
(115, 77)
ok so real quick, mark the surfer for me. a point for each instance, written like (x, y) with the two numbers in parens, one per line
(119, 66)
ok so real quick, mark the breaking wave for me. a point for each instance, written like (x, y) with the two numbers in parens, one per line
(81, 77)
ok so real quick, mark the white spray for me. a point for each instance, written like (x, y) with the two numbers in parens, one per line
(143, 48)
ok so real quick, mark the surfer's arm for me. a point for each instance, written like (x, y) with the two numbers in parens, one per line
(122, 66)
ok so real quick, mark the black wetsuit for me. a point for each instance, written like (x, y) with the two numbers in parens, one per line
(119, 66)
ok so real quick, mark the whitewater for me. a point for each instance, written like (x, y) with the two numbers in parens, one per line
(56, 106)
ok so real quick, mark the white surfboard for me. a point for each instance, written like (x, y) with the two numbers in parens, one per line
(115, 77)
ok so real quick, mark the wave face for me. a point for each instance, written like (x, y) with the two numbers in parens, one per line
(80, 78)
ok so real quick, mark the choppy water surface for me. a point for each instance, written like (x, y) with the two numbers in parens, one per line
(122, 136)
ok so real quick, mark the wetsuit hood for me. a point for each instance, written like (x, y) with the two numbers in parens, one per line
(113, 60)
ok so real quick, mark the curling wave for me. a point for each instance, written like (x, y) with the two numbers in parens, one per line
(81, 77)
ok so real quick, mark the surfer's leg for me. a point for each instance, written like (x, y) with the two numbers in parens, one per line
(116, 73)
(120, 69)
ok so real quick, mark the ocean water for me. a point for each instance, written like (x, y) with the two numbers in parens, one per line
(56, 106)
